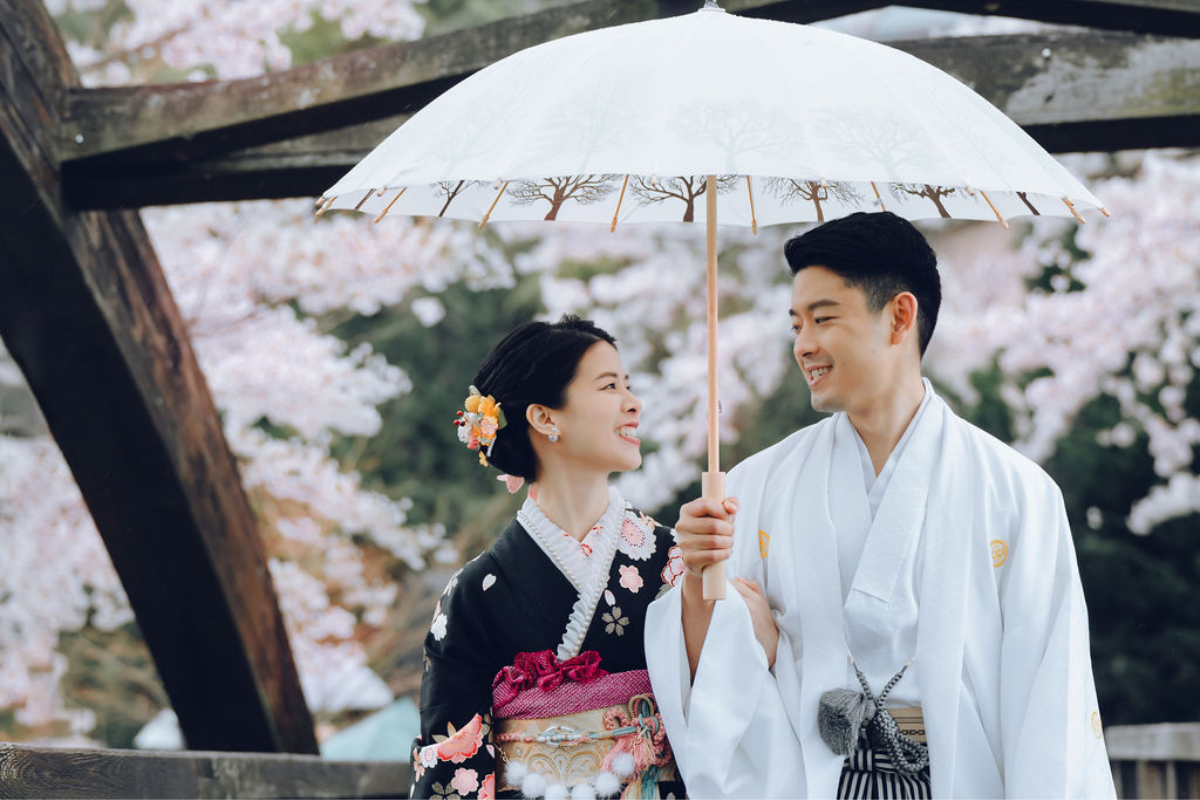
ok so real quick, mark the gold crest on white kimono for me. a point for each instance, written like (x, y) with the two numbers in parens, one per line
(1001, 666)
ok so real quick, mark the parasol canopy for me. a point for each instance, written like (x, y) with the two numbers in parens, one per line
(621, 125)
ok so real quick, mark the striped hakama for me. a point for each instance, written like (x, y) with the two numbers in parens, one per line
(869, 773)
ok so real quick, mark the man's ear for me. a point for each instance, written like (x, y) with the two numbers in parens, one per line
(539, 419)
(904, 317)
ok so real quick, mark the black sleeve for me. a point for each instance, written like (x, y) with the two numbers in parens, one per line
(454, 757)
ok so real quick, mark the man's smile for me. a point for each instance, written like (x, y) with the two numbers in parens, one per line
(814, 374)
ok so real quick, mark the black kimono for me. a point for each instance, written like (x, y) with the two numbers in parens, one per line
(541, 637)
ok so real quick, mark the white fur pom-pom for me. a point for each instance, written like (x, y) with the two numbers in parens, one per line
(533, 785)
(515, 772)
(557, 791)
(583, 791)
(607, 785)
(622, 765)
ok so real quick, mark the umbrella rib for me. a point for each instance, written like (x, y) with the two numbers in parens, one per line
(325, 207)
(753, 219)
(1074, 213)
(613, 227)
(483, 221)
(383, 213)
(878, 197)
(359, 206)
(993, 208)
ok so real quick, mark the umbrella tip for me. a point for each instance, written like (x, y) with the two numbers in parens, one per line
(711, 5)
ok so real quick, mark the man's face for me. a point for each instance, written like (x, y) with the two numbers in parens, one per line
(841, 346)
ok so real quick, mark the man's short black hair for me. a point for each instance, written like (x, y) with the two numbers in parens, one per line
(880, 253)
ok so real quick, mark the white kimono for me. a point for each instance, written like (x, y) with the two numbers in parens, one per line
(967, 569)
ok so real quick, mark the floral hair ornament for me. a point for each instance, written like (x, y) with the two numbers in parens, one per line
(478, 423)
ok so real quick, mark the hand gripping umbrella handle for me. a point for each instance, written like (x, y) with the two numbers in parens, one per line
(713, 576)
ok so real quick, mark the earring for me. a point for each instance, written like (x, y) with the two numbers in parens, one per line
(554, 434)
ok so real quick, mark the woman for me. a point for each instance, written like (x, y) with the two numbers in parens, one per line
(535, 679)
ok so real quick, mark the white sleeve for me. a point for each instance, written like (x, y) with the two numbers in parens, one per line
(730, 725)
(1053, 744)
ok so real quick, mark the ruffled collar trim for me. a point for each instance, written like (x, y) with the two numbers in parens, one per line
(585, 564)
(577, 560)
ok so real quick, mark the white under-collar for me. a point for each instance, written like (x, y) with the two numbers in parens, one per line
(877, 485)
(585, 564)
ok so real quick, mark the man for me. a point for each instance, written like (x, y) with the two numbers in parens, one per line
(895, 547)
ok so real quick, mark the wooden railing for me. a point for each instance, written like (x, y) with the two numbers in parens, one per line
(1155, 760)
(1147, 761)
(74, 773)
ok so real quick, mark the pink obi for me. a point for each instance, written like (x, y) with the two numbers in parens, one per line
(572, 725)
(538, 685)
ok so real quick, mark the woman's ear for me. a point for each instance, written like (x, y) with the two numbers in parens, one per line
(539, 419)
(904, 316)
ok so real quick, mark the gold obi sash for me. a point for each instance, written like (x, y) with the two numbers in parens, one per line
(911, 722)
(570, 749)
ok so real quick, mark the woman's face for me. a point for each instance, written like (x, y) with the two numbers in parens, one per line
(597, 426)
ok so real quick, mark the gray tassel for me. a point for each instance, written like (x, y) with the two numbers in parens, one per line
(841, 715)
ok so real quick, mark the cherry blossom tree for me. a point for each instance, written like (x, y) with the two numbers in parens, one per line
(1118, 319)
(254, 282)
(213, 38)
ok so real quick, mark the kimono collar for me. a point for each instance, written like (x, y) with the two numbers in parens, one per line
(583, 563)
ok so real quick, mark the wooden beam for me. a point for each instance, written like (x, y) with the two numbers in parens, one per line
(87, 315)
(70, 773)
(1161, 17)
(184, 122)
(1093, 91)
(1080, 92)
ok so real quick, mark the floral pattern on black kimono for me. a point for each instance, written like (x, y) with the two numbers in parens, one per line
(512, 599)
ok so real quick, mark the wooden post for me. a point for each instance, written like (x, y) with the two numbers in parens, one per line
(88, 317)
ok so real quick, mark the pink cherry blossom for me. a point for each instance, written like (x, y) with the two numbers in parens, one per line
(631, 579)
(465, 780)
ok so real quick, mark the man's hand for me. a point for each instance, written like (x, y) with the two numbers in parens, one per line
(765, 629)
(705, 536)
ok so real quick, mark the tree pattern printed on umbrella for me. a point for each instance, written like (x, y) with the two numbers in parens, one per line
(882, 140)
(1025, 199)
(790, 190)
(963, 129)
(932, 193)
(741, 130)
(464, 135)
(582, 189)
(598, 120)
(451, 190)
(651, 190)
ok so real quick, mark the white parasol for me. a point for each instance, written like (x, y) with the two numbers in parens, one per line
(764, 122)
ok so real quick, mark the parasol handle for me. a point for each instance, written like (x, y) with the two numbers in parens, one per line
(712, 577)
(713, 482)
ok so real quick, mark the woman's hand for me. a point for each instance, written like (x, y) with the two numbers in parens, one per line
(765, 629)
